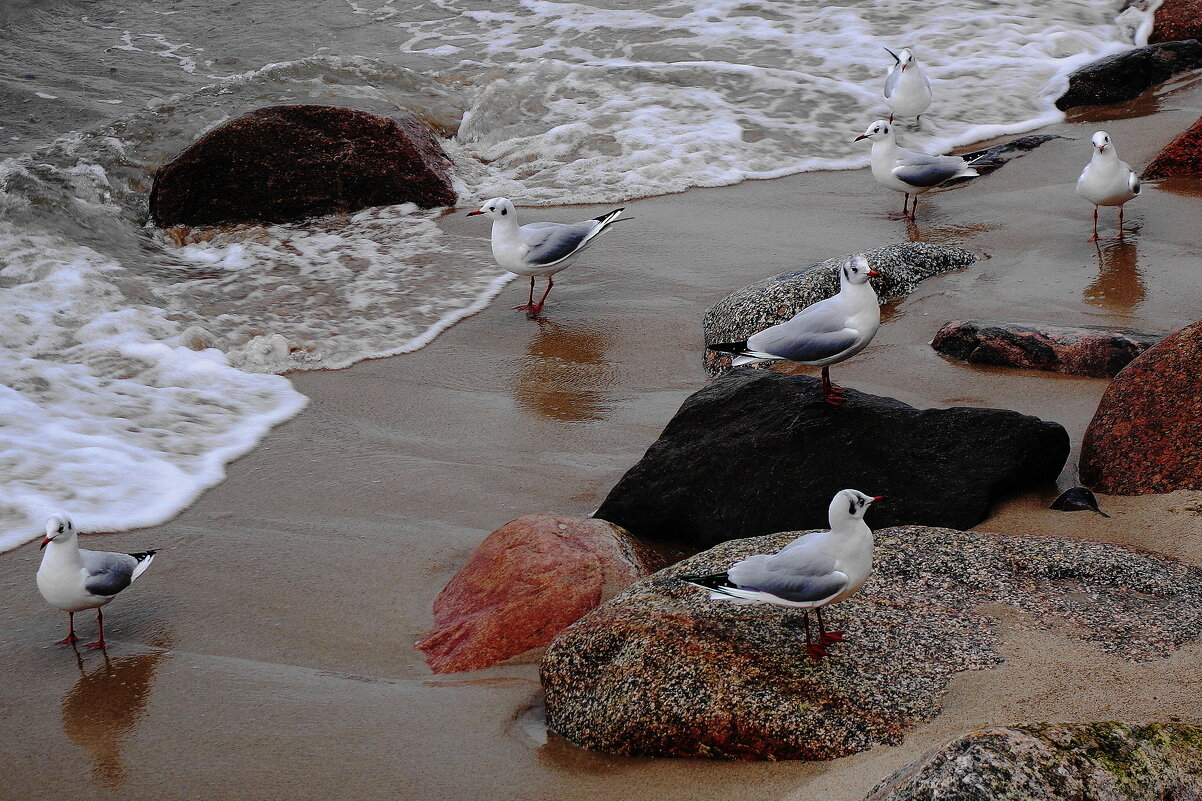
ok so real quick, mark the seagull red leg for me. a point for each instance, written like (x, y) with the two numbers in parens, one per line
(832, 393)
(1120, 236)
(1095, 237)
(70, 638)
(100, 625)
(827, 637)
(815, 652)
(537, 308)
(905, 212)
(530, 303)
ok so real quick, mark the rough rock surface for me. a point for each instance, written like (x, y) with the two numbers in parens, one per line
(286, 163)
(663, 671)
(1146, 435)
(1088, 350)
(1176, 20)
(525, 583)
(756, 452)
(774, 300)
(1124, 76)
(1181, 158)
(1104, 761)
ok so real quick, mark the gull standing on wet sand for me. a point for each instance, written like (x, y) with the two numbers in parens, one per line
(907, 88)
(908, 171)
(1107, 181)
(813, 571)
(74, 579)
(823, 333)
(538, 248)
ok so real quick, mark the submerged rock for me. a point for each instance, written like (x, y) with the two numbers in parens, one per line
(1145, 435)
(1105, 761)
(1124, 76)
(774, 300)
(287, 163)
(663, 671)
(1089, 350)
(757, 451)
(527, 581)
(1181, 158)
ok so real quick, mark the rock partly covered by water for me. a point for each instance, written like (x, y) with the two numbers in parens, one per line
(287, 163)
(1181, 158)
(1146, 434)
(1089, 350)
(663, 671)
(527, 581)
(757, 451)
(1176, 20)
(1105, 761)
(774, 300)
(1124, 76)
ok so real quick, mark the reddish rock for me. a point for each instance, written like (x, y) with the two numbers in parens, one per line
(525, 583)
(1176, 20)
(1087, 350)
(287, 163)
(1146, 435)
(1181, 158)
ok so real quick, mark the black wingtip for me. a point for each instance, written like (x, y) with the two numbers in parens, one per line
(712, 581)
(142, 556)
(733, 348)
(609, 215)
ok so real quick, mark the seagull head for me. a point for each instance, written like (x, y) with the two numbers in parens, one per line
(879, 130)
(496, 208)
(856, 270)
(850, 504)
(1101, 140)
(59, 528)
(904, 57)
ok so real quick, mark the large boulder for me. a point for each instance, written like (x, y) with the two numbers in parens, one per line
(1123, 76)
(286, 163)
(1105, 761)
(774, 300)
(757, 451)
(527, 581)
(663, 671)
(1089, 350)
(1146, 435)
(1181, 158)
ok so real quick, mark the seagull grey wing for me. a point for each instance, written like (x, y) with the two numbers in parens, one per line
(891, 81)
(108, 573)
(551, 244)
(931, 172)
(807, 582)
(813, 334)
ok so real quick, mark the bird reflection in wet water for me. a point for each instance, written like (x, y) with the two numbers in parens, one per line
(1119, 287)
(566, 375)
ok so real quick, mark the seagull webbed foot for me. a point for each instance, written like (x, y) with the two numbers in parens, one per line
(70, 639)
(101, 644)
(815, 652)
(829, 637)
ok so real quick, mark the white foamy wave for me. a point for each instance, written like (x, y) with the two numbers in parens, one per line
(101, 414)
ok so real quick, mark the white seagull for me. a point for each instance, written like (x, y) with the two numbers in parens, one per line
(813, 571)
(822, 333)
(908, 171)
(907, 88)
(538, 248)
(74, 579)
(1106, 181)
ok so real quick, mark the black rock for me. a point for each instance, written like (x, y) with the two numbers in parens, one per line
(1124, 76)
(1077, 499)
(757, 452)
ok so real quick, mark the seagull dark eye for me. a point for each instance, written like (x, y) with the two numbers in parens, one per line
(504, 212)
(492, 208)
(60, 529)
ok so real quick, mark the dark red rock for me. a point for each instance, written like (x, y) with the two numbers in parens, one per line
(524, 584)
(1145, 436)
(1124, 76)
(1176, 20)
(1181, 158)
(1088, 350)
(287, 163)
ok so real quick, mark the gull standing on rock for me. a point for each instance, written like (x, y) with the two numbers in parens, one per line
(74, 579)
(907, 88)
(908, 171)
(538, 248)
(1107, 181)
(823, 333)
(813, 571)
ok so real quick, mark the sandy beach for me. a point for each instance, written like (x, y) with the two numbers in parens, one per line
(269, 653)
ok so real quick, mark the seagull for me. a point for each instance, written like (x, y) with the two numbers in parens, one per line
(813, 571)
(1106, 181)
(907, 87)
(908, 171)
(822, 333)
(74, 579)
(538, 248)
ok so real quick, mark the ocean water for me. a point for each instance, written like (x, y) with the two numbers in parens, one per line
(135, 367)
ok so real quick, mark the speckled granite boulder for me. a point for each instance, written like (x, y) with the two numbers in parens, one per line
(757, 451)
(1124, 76)
(1146, 435)
(774, 300)
(1057, 762)
(286, 163)
(663, 671)
(1182, 158)
(1089, 350)
(525, 583)
(1176, 20)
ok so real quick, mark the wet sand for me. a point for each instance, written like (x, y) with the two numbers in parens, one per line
(269, 652)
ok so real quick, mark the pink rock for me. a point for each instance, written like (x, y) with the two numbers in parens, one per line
(526, 582)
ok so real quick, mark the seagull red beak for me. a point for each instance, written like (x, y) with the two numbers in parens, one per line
(473, 213)
(45, 541)
(861, 136)
(878, 499)
(873, 273)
